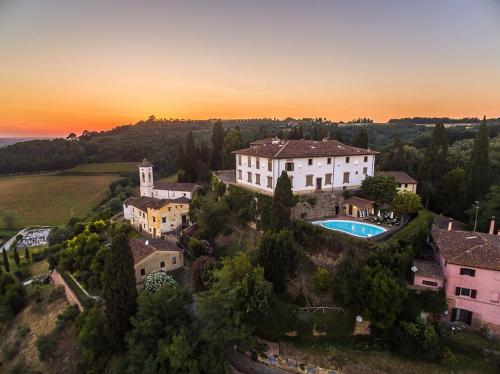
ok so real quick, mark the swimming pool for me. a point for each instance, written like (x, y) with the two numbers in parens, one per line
(359, 229)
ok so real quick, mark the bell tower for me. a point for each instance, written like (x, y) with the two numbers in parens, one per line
(146, 178)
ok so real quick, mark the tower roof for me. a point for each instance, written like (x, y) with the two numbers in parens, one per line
(145, 164)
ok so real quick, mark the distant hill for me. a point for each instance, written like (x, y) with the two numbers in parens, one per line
(157, 140)
(4, 142)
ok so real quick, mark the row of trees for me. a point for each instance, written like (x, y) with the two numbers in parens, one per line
(450, 189)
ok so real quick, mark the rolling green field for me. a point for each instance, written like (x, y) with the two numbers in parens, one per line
(104, 168)
(51, 199)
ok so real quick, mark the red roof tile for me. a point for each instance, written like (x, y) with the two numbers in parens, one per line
(304, 148)
(468, 248)
(399, 176)
(144, 202)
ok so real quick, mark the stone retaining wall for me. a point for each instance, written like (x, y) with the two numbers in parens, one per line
(318, 205)
(68, 292)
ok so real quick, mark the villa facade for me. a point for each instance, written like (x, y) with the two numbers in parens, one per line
(326, 165)
(469, 273)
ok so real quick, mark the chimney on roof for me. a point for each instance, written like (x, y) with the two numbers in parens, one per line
(450, 224)
(492, 226)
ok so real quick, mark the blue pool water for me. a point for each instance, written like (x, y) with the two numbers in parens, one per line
(360, 229)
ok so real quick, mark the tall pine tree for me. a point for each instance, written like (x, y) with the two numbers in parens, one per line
(434, 164)
(180, 162)
(479, 167)
(119, 289)
(191, 154)
(282, 203)
(6, 261)
(232, 142)
(361, 139)
(15, 254)
(217, 140)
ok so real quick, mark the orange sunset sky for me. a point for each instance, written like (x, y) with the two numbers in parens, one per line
(66, 66)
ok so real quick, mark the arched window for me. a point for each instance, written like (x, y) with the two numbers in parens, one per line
(149, 176)
(143, 177)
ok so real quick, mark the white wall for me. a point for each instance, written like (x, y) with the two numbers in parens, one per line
(170, 194)
(318, 169)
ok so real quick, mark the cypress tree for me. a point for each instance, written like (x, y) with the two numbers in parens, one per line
(217, 140)
(180, 159)
(26, 254)
(282, 203)
(479, 167)
(17, 260)
(434, 164)
(6, 261)
(337, 135)
(232, 142)
(119, 289)
(361, 139)
(191, 153)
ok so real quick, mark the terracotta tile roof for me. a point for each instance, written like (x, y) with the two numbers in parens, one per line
(264, 141)
(399, 176)
(145, 202)
(141, 250)
(304, 148)
(186, 187)
(359, 202)
(468, 248)
(430, 269)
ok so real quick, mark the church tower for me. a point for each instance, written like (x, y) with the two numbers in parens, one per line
(146, 178)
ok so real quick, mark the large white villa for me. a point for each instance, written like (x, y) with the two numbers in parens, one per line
(326, 165)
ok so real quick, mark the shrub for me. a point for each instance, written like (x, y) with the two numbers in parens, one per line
(321, 279)
(9, 351)
(197, 270)
(56, 293)
(45, 345)
(158, 279)
(418, 339)
(22, 331)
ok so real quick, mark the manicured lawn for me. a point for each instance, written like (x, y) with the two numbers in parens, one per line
(51, 199)
(104, 168)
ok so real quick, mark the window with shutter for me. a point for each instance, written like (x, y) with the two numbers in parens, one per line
(309, 180)
(457, 291)
(473, 294)
(467, 271)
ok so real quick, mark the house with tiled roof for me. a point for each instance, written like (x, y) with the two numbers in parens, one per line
(311, 165)
(155, 255)
(470, 264)
(403, 180)
(156, 217)
(162, 207)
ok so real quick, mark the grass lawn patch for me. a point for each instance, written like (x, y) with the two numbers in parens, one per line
(51, 199)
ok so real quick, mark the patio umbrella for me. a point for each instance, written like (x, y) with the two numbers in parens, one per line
(378, 214)
(392, 215)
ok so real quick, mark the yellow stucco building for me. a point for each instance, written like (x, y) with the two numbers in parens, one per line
(156, 216)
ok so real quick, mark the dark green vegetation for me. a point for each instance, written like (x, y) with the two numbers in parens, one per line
(119, 289)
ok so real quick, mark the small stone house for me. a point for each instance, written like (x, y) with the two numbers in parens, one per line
(404, 181)
(155, 254)
(356, 206)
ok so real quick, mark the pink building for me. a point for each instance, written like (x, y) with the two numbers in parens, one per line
(470, 263)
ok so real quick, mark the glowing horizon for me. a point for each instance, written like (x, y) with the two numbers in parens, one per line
(67, 67)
